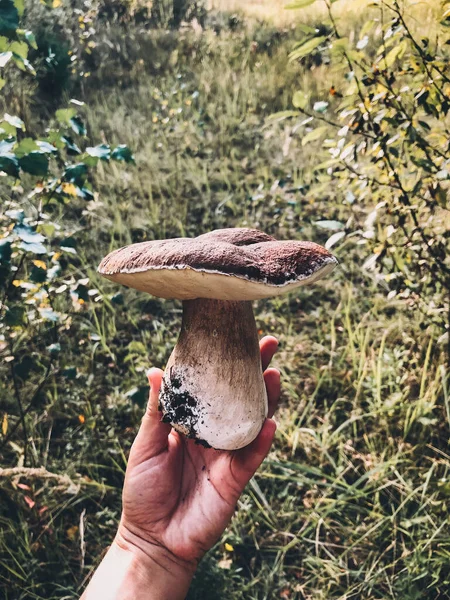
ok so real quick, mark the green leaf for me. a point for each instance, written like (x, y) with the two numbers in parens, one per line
(54, 272)
(103, 152)
(19, 48)
(46, 147)
(5, 250)
(6, 146)
(6, 128)
(76, 173)
(23, 63)
(122, 153)
(34, 248)
(320, 107)
(281, 115)
(9, 17)
(2, 83)
(78, 126)
(299, 4)
(20, 6)
(366, 28)
(29, 37)
(334, 239)
(14, 121)
(63, 115)
(26, 146)
(38, 275)
(313, 135)
(71, 147)
(15, 215)
(393, 55)
(27, 234)
(362, 43)
(340, 47)
(306, 29)
(68, 243)
(85, 193)
(48, 229)
(333, 225)
(5, 57)
(9, 165)
(49, 314)
(300, 99)
(307, 48)
(34, 163)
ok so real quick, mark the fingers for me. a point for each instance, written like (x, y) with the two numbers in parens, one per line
(153, 433)
(248, 459)
(273, 387)
(268, 346)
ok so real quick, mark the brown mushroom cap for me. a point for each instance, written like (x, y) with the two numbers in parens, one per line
(227, 264)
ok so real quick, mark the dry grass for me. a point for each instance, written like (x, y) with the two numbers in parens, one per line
(274, 11)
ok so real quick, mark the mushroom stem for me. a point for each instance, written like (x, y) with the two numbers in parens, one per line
(213, 388)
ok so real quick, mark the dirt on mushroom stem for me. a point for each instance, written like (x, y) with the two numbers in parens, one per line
(213, 389)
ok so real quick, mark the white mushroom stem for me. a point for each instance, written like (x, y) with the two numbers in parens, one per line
(213, 388)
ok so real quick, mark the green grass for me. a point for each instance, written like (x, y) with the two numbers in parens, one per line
(352, 501)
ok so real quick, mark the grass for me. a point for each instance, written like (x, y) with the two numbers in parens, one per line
(352, 501)
(274, 11)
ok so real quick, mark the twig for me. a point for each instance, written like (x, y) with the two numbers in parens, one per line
(35, 473)
(64, 481)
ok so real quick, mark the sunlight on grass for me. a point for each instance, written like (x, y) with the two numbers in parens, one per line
(274, 11)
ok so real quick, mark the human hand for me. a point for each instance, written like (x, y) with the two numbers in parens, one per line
(178, 496)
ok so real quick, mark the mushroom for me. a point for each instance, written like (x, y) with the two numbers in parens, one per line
(213, 388)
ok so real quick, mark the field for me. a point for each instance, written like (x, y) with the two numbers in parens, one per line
(352, 502)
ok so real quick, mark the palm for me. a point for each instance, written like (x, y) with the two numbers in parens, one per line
(181, 495)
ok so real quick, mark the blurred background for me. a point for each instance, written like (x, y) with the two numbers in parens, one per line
(127, 120)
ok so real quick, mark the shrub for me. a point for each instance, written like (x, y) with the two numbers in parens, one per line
(43, 284)
(388, 148)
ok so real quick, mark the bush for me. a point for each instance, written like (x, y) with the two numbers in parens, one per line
(388, 149)
(40, 270)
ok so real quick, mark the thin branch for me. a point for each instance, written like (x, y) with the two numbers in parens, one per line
(404, 194)
(64, 482)
(397, 11)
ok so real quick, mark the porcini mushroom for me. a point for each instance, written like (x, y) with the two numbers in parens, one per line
(213, 389)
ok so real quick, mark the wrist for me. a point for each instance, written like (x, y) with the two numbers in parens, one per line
(137, 569)
(153, 555)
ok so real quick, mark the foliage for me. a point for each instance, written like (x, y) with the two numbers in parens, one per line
(39, 265)
(388, 147)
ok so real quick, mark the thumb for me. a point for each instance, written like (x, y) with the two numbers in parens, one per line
(153, 433)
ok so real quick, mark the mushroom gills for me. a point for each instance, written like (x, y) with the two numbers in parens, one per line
(213, 388)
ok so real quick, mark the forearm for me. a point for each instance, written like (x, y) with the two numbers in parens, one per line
(130, 573)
